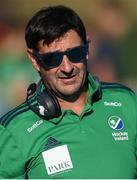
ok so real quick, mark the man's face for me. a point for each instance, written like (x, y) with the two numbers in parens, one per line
(68, 78)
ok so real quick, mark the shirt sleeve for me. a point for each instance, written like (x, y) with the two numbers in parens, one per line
(11, 159)
(136, 133)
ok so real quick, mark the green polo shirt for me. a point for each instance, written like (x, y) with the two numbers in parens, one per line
(99, 143)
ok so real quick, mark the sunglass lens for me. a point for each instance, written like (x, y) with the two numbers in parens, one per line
(52, 60)
(77, 54)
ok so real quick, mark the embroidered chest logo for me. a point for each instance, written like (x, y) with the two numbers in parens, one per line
(116, 123)
(57, 159)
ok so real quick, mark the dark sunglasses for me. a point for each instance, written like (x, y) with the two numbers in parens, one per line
(54, 59)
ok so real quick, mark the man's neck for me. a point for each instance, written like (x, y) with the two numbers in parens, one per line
(77, 105)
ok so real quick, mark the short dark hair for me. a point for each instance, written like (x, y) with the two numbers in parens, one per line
(51, 23)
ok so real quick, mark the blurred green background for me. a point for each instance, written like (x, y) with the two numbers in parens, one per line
(111, 27)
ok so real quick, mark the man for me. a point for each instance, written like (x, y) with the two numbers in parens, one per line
(71, 126)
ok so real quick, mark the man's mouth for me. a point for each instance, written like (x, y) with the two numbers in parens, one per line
(68, 80)
(67, 77)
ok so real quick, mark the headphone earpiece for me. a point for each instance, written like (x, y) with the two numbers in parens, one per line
(47, 104)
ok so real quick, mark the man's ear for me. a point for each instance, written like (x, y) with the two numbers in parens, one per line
(33, 59)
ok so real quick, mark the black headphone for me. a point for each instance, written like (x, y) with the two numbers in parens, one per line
(46, 105)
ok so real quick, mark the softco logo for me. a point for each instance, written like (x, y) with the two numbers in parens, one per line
(116, 104)
(115, 122)
(35, 125)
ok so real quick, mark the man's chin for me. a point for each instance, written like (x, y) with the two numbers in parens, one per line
(69, 94)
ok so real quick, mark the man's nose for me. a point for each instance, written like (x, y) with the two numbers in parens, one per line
(66, 65)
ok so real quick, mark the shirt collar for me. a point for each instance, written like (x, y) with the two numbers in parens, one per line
(95, 92)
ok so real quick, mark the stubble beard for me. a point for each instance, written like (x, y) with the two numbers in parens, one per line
(65, 93)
